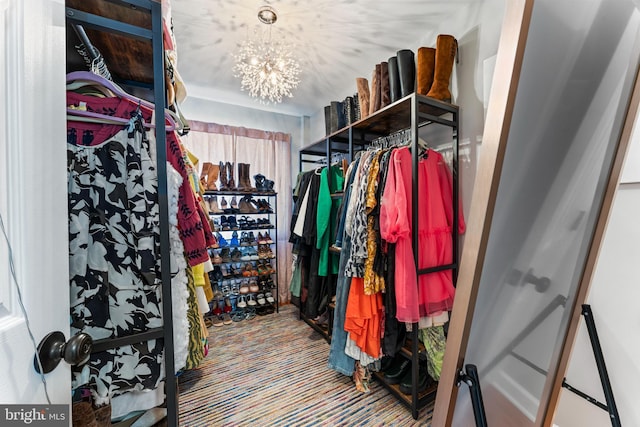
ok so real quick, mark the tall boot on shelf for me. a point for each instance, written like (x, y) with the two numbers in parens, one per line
(394, 79)
(241, 186)
(374, 103)
(385, 93)
(446, 48)
(231, 183)
(406, 71)
(247, 177)
(224, 183)
(212, 177)
(204, 175)
(425, 67)
(363, 96)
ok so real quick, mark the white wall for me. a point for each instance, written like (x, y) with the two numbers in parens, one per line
(613, 297)
(207, 110)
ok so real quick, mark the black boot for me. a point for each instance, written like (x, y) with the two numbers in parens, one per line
(394, 79)
(406, 71)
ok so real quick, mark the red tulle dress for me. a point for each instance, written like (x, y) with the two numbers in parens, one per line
(434, 292)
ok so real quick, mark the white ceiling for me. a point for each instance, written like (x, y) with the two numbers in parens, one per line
(335, 42)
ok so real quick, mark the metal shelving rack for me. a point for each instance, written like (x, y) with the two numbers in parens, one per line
(274, 214)
(154, 36)
(409, 113)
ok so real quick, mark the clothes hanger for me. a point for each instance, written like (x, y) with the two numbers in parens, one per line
(74, 114)
(87, 78)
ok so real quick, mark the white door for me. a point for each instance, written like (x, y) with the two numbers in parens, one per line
(33, 196)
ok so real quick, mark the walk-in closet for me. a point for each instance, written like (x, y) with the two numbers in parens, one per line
(339, 213)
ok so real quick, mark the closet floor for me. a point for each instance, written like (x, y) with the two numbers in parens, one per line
(272, 371)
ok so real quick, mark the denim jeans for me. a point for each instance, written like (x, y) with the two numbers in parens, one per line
(338, 360)
(343, 211)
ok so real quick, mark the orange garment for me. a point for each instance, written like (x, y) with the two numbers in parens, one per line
(363, 318)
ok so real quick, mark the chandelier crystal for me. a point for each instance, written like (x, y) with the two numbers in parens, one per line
(267, 68)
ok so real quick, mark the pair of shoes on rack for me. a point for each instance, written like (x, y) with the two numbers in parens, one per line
(209, 176)
(424, 380)
(264, 252)
(248, 300)
(264, 267)
(214, 208)
(263, 185)
(264, 239)
(234, 242)
(222, 242)
(246, 205)
(227, 182)
(246, 223)
(263, 223)
(262, 206)
(268, 284)
(228, 223)
(231, 207)
(248, 239)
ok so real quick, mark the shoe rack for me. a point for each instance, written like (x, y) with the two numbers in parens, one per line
(246, 257)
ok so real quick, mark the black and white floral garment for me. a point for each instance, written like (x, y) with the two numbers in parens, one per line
(114, 259)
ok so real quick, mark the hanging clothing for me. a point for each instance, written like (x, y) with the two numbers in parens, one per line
(434, 293)
(373, 281)
(356, 224)
(114, 258)
(363, 319)
(331, 181)
(190, 219)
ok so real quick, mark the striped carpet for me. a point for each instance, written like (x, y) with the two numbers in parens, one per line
(272, 371)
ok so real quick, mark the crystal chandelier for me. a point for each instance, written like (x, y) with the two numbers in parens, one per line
(267, 68)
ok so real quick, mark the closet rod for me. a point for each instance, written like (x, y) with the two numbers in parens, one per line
(109, 343)
(82, 35)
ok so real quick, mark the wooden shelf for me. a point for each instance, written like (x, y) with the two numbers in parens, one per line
(407, 350)
(424, 398)
(392, 118)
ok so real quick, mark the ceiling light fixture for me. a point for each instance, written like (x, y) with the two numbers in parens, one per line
(267, 68)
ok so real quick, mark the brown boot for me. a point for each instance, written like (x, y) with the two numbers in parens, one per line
(385, 92)
(363, 96)
(212, 177)
(426, 64)
(241, 186)
(204, 175)
(231, 183)
(246, 180)
(446, 47)
(224, 183)
(374, 103)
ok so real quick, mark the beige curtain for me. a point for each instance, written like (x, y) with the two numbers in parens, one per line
(267, 153)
